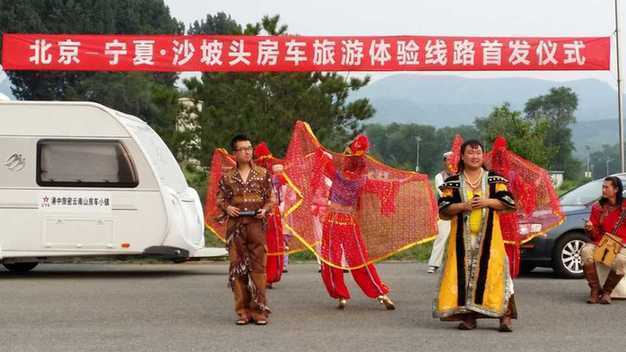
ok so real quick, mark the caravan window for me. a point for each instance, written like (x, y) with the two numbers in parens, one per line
(83, 163)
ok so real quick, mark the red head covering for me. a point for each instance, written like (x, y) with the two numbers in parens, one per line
(359, 145)
(262, 151)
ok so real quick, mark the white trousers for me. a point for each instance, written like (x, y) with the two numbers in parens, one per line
(439, 246)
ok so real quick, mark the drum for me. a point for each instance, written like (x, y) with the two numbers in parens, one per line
(607, 249)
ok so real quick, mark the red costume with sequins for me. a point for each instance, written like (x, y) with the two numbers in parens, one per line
(352, 210)
(274, 231)
(341, 234)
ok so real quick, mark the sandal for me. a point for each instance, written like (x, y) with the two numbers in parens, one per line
(242, 321)
(387, 302)
(467, 324)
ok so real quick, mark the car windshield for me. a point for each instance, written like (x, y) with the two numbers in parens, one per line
(584, 194)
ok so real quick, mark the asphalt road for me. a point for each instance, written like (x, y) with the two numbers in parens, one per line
(187, 307)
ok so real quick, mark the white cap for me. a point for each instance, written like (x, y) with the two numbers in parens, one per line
(446, 155)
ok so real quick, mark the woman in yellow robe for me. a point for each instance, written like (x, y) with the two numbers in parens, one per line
(475, 281)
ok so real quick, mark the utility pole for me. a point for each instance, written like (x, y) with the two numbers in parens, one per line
(417, 158)
(620, 108)
(587, 163)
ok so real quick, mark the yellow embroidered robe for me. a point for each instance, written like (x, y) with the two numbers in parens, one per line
(475, 277)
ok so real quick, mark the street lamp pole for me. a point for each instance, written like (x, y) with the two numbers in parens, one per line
(417, 153)
(588, 162)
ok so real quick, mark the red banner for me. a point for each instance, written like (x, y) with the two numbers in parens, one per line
(212, 53)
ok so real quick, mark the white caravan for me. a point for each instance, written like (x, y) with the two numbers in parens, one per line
(80, 179)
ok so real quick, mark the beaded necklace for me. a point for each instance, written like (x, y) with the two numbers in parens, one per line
(473, 185)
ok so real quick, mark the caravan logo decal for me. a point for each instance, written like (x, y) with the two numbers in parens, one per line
(16, 162)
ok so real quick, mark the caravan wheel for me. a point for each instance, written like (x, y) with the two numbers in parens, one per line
(20, 267)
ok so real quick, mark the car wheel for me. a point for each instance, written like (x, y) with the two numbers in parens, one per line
(566, 259)
(20, 267)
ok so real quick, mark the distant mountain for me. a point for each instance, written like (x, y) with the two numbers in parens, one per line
(452, 100)
(594, 134)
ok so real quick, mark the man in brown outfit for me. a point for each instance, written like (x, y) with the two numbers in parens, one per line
(245, 197)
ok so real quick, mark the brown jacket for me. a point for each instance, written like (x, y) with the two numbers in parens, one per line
(255, 194)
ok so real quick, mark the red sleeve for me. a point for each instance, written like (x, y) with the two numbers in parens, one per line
(596, 212)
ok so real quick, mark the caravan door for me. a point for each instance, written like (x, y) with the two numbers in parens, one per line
(101, 197)
(78, 178)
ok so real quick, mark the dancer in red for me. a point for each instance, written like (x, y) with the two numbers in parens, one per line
(352, 211)
(275, 237)
(341, 235)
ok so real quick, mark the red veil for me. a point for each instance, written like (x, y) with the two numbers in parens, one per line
(213, 216)
(396, 210)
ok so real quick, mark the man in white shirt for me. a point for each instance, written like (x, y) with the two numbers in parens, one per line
(436, 256)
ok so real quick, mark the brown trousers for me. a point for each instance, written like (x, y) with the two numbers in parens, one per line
(247, 253)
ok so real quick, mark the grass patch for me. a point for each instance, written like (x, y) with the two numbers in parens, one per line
(419, 253)
(210, 240)
(304, 256)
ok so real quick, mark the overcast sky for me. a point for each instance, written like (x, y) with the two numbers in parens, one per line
(433, 17)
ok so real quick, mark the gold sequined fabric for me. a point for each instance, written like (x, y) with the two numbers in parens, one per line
(394, 209)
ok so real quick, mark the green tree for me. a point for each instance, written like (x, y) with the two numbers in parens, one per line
(265, 105)
(220, 23)
(152, 97)
(524, 137)
(557, 107)
(396, 144)
(445, 136)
